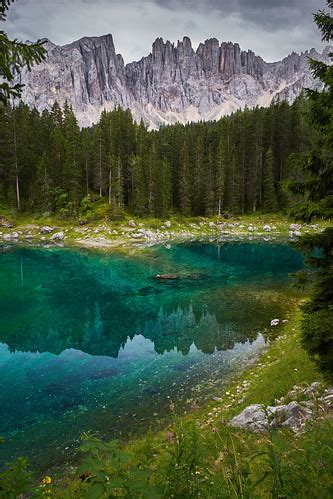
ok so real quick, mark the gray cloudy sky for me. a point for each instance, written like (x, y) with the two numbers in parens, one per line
(272, 28)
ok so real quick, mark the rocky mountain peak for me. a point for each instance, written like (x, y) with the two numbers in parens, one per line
(173, 83)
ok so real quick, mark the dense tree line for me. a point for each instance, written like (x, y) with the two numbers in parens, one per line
(238, 163)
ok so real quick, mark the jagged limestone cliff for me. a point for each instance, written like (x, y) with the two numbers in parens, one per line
(173, 83)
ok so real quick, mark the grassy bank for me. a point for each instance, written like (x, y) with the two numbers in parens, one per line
(200, 455)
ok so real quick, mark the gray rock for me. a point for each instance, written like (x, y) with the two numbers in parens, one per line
(131, 223)
(4, 223)
(167, 224)
(149, 234)
(327, 398)
(297, 233)
(250, 228)
(275, 322)
(294, 227)
(291, 416)
(312, 389)
(267, 228)
(58, 236)
(259, 418)
(252, 418)
(46, 229)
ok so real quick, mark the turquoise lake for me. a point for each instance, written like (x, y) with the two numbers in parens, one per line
(93, 341)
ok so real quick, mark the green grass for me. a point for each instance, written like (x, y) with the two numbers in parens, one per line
(282, 366)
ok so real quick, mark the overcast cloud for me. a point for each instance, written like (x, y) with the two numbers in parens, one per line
(272, 28)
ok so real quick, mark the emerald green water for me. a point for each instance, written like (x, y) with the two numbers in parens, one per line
(93, 341)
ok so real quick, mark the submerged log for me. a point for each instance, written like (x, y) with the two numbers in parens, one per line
(166, 276)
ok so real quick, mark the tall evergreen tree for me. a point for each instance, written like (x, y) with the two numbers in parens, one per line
(269, 196)
(209, 183)
(317, 189)
(73, 164)
(220, 172)
(184, 182)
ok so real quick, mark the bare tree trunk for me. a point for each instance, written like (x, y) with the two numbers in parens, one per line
(18, 199)
(219, 206)
(100, 169)
(119, 184)
(110, 179)
(243, 182)
(87, 179)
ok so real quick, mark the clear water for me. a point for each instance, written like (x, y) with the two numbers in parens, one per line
(93, 341)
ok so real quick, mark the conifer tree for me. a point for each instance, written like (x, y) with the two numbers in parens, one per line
(164, 189)
(73, 171)
(87, 147)
(198, 173)
(220, 176)
(208, 186)
(269, 196)
(139, 191)
(184, 182)
(151, 179)
(118, 182)
(42, 184)
(317, 189)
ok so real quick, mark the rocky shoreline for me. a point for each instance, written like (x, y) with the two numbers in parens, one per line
(307, 403)
(140, 234)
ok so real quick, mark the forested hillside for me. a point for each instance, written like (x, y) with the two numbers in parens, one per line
(237, 164)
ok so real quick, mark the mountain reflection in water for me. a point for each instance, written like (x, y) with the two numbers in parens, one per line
(93, 341)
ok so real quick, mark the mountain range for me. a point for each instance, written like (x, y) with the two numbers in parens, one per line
(174, 83)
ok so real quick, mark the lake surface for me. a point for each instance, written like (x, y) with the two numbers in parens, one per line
(94, 341)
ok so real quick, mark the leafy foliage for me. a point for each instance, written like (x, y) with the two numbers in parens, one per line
(16, 480)
(109, 471)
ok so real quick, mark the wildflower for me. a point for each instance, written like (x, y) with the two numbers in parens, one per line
(195, 406)
(170, 436)
(47, 480)
(172, 407)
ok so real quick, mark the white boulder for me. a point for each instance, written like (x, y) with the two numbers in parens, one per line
(46, 229)
(58, 236)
